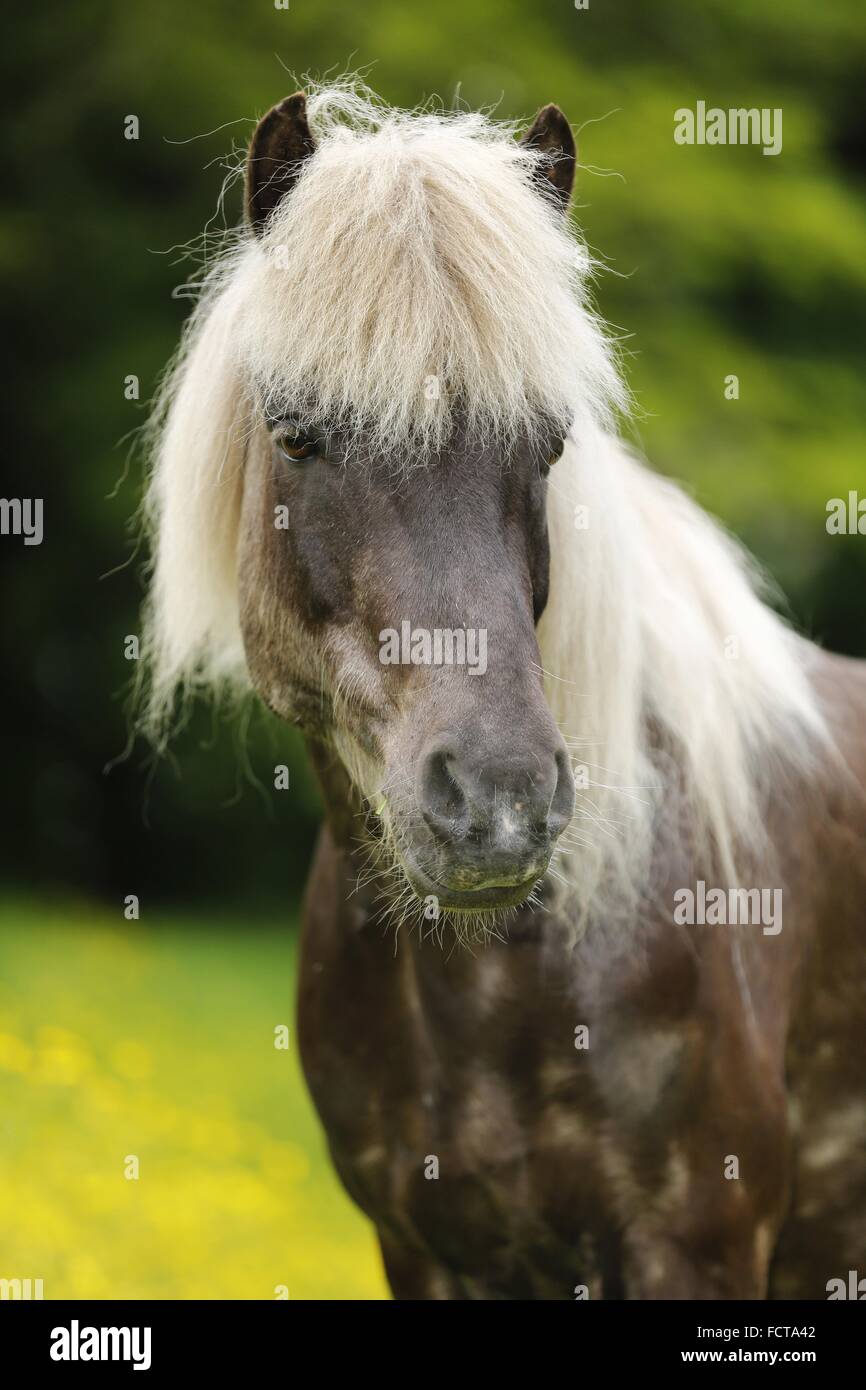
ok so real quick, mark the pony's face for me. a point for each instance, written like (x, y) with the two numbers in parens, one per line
(395, 616)
(388, 607)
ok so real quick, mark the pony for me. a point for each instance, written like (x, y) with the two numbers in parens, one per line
(540, 1072)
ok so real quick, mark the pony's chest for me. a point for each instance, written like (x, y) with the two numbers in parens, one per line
(487, 1192)
(463, 1114)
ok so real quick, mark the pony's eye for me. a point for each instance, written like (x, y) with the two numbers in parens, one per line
(556, 453)
(295, 445)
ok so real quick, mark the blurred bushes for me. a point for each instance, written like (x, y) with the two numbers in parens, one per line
(722, 261)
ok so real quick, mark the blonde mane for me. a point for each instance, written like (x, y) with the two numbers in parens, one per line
(414, 270)
(685, 700)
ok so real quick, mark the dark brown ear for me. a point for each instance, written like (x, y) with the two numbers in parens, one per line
(551, 134)
(280, 144)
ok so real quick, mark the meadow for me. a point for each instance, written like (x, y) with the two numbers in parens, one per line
(156, 1041)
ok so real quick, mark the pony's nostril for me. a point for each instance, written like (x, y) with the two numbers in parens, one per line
(494, 805)
(443, 804)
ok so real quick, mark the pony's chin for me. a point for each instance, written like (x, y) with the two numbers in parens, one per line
(490, 898)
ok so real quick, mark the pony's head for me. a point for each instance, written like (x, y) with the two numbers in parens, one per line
(349, 493)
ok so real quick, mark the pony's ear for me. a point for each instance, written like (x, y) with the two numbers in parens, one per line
(551, 134)
(280, 144)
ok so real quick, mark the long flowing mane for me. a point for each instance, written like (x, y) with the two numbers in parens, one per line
(413, 270)
(680, 691)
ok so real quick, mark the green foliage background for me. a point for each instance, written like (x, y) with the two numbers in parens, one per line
(721, 260)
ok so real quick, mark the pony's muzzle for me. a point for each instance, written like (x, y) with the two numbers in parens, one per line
(493, 818)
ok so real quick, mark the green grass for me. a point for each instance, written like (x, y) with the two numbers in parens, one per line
(157, 1040)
